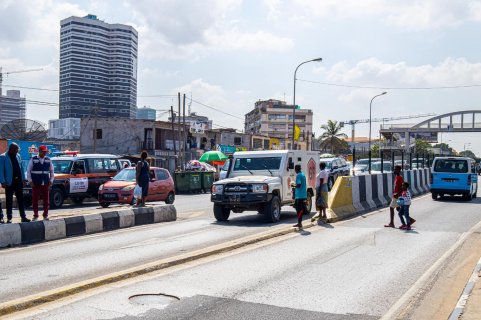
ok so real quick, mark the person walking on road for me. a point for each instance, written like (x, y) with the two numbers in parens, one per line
(12, 179)
(322, 193)
(404, 203)
(143, 177)
(40, 175)
(300, 195)
(397, 189)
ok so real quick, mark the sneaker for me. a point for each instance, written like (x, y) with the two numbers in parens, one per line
(298, 225)
(9, 221)
(46, 219)
(34, 218)
(391, 225)
(403, 227)
(25, 219)
(408, 228)
(412, 221)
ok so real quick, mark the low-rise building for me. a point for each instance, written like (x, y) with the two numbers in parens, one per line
(64, 129)
(12, 107)
(274, 118)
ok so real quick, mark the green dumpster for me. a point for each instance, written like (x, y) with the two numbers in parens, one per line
(187, 182)
(207, 179)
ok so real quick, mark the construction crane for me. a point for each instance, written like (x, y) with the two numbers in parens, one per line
(354, 122)
(10, 72)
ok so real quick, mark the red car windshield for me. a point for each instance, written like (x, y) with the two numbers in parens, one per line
(125, 175)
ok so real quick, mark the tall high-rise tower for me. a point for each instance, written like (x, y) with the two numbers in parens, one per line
(98, 69)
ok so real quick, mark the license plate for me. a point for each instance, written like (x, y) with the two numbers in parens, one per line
(110, 196)
(234, 198)
(27, 192)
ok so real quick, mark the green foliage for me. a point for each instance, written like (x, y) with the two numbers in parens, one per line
(468, 153)
(332, 137)
(422, 146)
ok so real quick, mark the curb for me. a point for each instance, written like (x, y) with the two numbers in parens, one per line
(459, 309)
(38, 231)
(59, 293)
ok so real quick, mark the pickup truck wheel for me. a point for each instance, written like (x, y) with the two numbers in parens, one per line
(272, 211)
(221, 213)
(434, 195)
(56, 198)
(468, 196)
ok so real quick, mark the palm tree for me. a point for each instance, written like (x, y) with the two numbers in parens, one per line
(332, 136)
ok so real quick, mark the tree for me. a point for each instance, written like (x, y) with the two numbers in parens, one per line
(422, 147)
(375, 149)
(468, 153)
(332, 137)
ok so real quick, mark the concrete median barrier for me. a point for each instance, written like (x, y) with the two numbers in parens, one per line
(38, 231)
(359, 194)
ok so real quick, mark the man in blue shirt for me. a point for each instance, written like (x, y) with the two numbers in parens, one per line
(300, 195)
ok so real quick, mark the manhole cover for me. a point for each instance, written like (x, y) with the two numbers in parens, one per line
(153, 299)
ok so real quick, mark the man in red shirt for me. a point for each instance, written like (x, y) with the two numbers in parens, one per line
(397, 190)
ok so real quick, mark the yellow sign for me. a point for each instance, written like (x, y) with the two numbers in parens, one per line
(297, 133)
(274, 143)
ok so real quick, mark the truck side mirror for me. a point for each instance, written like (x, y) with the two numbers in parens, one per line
(291, 165)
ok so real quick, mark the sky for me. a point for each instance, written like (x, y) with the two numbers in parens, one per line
(228, 54)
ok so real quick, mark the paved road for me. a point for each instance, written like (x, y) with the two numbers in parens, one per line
(49, 265)
(355, 269)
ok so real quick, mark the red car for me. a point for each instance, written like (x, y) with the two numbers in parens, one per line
(121, 188)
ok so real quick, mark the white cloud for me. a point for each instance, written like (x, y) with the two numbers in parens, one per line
(273, 7)
(172, 30)
(405, 14)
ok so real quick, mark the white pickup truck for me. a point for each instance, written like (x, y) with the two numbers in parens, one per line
(261, 181)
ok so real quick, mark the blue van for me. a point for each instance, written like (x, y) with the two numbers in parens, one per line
(454, 176)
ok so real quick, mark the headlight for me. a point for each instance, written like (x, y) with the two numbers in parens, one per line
(101, 187)
(217, 188)
(260, 188)
(128, 188)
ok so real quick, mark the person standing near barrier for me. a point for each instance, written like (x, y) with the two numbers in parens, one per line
(143, 177)
(40, 175)
(12, 179)
(397, 189)
(300, 195)
(322, 193)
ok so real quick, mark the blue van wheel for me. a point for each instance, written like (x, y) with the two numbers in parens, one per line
(434, 195)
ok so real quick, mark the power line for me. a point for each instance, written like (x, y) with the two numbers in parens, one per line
(216, 109)
(391, 88)
(30, 88)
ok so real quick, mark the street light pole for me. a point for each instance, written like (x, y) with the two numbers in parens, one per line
(294, 103)
(370, 118)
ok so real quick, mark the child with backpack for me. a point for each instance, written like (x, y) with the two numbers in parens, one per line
(404, 203)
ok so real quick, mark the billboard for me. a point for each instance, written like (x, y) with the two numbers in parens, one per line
(30, 148)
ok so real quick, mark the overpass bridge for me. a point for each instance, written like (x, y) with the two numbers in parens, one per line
(401, 135)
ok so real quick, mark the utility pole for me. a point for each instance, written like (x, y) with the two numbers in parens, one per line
(95, 128)
(179, 135)
(172, 121)
(184, 138)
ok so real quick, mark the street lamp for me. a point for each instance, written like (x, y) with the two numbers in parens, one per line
(294, 104)
(370, 118)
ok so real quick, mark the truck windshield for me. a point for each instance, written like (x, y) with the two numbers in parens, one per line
(61, 166)
(264, 163)
(451, 165)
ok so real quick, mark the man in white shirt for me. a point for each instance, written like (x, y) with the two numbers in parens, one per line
(322, 192)
(40, 175)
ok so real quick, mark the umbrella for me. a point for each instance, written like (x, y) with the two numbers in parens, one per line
(215, 157)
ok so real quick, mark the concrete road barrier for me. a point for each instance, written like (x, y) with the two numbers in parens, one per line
(38, 231)
(358, 194)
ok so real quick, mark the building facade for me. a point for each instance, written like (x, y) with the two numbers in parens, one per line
(146, 113)
(64, 129)
(12, 107)
(273, 118)
(98, 69)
